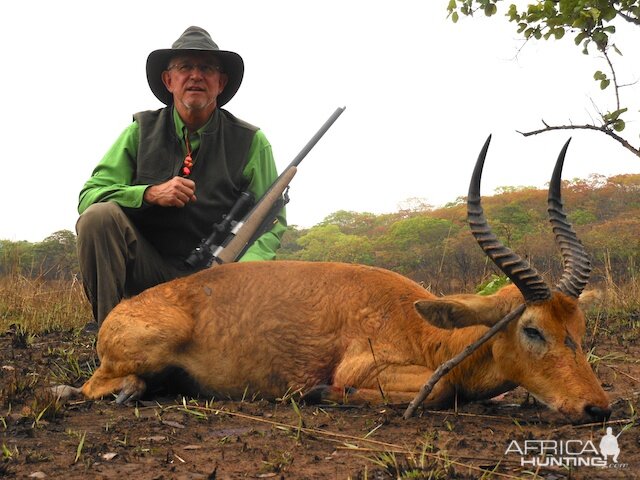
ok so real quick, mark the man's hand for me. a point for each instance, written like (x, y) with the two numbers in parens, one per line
(176, 192)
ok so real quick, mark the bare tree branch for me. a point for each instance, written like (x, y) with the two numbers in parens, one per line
(616, 87)
(603, 129)
(629, 18)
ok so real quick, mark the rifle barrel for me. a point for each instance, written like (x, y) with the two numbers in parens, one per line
(307, 148)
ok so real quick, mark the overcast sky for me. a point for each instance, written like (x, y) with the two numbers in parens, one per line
(421, 96)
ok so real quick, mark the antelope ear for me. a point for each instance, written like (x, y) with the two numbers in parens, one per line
(590, 298)
(463, 310)
(446, 314)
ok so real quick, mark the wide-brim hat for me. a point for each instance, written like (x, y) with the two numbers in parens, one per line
(194, 39)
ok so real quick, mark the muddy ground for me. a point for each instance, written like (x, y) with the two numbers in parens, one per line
(172, 438)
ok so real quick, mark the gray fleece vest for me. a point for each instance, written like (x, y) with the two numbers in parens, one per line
(217, 173)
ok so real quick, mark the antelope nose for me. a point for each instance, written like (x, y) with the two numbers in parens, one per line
(599, 414)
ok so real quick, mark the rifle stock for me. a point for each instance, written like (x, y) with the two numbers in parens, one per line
(244, 231)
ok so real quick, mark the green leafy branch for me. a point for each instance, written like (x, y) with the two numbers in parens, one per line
(592, 22)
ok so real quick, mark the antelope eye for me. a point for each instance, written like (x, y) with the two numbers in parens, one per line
(533, 334)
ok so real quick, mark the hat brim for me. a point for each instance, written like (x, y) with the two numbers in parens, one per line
(158, 60)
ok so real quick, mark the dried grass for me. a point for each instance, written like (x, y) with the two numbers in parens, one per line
(38, 306)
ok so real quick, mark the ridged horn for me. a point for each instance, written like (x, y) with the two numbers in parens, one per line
(526, 278)
(577, 266)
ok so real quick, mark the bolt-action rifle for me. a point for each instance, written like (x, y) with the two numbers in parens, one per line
(231, 237)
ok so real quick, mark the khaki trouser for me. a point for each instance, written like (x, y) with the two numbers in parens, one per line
(116, 261)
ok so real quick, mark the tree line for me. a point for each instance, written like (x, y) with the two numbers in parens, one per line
(53, 258)
(432, 245)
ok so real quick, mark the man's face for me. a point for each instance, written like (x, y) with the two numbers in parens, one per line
(195, 80)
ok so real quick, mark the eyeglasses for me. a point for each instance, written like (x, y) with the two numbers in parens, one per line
(205, 68)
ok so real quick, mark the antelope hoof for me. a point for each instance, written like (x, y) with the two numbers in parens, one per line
(327, 393)
(65, 392)
(132, 389)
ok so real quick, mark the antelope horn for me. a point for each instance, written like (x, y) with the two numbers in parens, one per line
(526, 278)
(576, 262)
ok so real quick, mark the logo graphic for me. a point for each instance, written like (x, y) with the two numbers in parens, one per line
(609, 445)
(569, 453)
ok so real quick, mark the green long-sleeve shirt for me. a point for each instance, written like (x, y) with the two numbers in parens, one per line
(112, 180)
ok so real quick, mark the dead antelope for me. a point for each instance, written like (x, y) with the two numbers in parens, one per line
(338, 331)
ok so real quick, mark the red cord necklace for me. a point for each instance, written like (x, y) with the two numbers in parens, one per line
(188, 161)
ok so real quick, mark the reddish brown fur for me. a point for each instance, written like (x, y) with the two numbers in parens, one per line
(266, 328)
